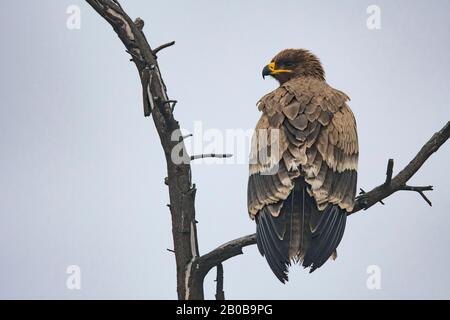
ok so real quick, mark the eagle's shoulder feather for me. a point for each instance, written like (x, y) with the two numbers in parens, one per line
(317, 139)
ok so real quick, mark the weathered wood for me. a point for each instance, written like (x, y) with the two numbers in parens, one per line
(181, 190)
(220, 294)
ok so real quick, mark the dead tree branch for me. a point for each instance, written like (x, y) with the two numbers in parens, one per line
(420, 190)
(190, 266)
(163, 46)
(220, 294)
(389, 171)
(225, 252)
(211, 155)
(181, 190)
(398, 182)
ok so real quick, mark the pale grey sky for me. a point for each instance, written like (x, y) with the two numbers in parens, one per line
(81, 169)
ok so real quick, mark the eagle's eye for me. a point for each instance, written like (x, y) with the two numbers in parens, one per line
(289, 64)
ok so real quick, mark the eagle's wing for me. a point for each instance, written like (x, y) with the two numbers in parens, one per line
(302, 172)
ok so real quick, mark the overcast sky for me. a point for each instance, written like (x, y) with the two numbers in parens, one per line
(81, 169)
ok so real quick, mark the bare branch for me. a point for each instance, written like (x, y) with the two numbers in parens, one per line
(398, 182)
(187, 136)
(389, 170)
(181, 190)
(420, 190)
(163, 46)
(211, 155)
(220, 294)
(225, 252)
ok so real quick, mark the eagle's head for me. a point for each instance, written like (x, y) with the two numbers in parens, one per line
(294, 63)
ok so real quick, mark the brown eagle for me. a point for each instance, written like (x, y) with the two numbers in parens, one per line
(303, 165)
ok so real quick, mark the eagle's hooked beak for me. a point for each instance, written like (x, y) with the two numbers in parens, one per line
(270, 70)
(266, 71)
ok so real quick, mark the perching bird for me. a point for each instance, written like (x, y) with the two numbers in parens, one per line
(303, 165)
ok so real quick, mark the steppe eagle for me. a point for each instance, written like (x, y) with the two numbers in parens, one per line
(302, 183)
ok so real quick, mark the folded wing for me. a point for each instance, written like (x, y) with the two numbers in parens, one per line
(303, 172)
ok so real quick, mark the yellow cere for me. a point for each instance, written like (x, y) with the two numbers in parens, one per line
(275, 71)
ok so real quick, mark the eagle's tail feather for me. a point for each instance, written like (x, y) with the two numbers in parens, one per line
(280, 238)
(271, 246)
(299, 232)
(325, 237)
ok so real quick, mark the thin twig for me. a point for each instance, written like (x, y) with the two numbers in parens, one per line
(163, 46)
(420, 190)
(187, 136)
(135, 56)
(389, 170)
(211, 155)
(170, 102)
